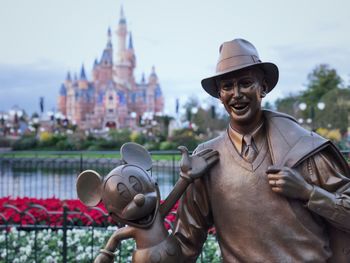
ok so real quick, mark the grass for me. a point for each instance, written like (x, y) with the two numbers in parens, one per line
(156, 156)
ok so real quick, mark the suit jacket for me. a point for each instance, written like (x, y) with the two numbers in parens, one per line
(289, 145)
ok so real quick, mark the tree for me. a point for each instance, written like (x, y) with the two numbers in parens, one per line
(321, 80)
(324, 85)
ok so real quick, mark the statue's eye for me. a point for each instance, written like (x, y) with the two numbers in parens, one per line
(135, 184)
(123, 191)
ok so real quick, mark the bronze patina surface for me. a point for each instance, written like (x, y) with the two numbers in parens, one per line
(280, 193)
(131, 197)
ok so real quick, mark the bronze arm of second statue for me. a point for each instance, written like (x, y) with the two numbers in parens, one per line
(131, 197)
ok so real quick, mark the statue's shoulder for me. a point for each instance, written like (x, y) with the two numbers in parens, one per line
(285, 125)
(214, 143)
(271, 115)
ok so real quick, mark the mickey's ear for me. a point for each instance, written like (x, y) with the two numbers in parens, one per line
(89, 189)
(133, 153)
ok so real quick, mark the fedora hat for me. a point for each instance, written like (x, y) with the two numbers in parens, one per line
(236, 55)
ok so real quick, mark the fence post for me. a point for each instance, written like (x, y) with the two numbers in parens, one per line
(81, 162)
(173, 167)
(7, 231)
(65, 214)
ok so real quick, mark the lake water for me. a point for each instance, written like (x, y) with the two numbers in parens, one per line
(44, 181)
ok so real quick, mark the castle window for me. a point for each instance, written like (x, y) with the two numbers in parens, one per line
(110, 110)
(110, 98)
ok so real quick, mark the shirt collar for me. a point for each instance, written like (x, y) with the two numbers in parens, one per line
(237, 138)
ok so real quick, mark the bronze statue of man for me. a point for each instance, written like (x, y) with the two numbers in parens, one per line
(280, 193)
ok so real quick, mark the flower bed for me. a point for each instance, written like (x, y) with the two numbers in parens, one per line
(21, 247)
(29, 211)
(33, 232)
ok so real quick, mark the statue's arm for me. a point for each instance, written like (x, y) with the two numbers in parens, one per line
(330, 196)
(191, 168)
(107, 253)
(193, 221)
(174, 196)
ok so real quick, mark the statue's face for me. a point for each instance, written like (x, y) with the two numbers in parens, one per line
(241, 94)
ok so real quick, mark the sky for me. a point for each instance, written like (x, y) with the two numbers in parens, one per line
(42, 39)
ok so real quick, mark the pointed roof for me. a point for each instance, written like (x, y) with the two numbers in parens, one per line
(63, 90)
(153, 73)
(68, 77)
(107, 57)
(95, 63)
(82, 73)
(122, 19)
(131, 45)
(109, 38)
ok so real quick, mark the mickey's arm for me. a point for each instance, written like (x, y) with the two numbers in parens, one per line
(191, 168)
(107, 253)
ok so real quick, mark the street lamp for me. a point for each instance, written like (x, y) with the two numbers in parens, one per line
(311, 120)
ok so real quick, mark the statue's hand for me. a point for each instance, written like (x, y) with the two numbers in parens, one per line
(289, 183)
(196, 165)
(104, 258)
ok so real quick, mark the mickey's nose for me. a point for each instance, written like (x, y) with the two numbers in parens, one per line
(139, 199)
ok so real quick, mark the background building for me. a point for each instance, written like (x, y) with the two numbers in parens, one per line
(112, 98)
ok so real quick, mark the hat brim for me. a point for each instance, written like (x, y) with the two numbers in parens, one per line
(270, 70)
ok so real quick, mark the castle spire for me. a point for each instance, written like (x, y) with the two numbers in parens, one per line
(121, 37)
(82, 73)
(153, 73)
(109, 38)
(131, 45)
(122, 19)
(95, 63)
(68, 78)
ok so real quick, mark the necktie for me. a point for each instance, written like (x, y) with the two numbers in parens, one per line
(249, 152)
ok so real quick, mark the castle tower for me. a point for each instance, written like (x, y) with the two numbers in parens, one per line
(112, 98)
(82, 82)
(121, 37)
(103, 70)
(125, 58)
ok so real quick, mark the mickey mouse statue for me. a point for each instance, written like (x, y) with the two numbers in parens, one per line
(132, 197)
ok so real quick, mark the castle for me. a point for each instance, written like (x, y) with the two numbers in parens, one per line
(112, 98)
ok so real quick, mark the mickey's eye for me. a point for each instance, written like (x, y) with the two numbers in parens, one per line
(123, 191)
(135, 184)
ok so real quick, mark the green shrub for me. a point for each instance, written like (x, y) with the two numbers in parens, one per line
(166, 145)
(25, 143)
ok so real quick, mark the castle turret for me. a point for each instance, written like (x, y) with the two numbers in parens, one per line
(130, 54)
(82, 83)
(121, 36)
(62, 99)
(125, 57)
(104, 72)
(153, 78)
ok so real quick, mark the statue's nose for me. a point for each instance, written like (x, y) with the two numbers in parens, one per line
(139, 199)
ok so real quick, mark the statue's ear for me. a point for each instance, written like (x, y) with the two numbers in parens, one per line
(133, 153)
(89, 184)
